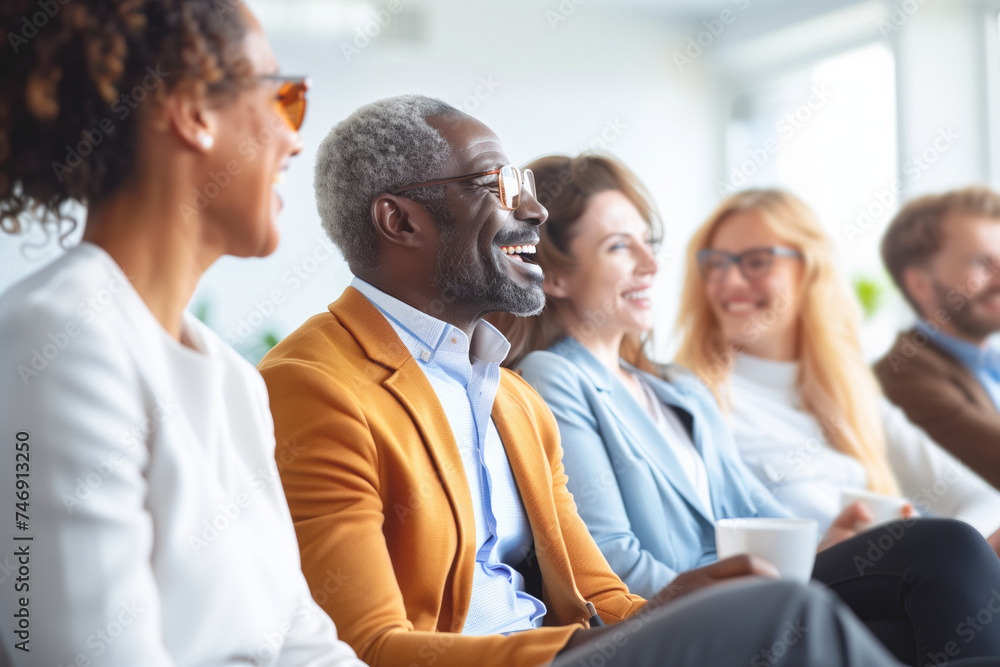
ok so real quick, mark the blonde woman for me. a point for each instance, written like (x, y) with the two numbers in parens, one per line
(772, 330)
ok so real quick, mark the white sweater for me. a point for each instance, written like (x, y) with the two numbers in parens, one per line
(159, 530)
(787, 449)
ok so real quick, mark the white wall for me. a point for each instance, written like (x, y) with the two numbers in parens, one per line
(560, 75)
(943, 84)
(562, 81)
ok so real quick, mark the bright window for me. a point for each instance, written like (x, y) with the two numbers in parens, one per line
(827, 132)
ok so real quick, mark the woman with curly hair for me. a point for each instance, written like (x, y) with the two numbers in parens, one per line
(152, 528)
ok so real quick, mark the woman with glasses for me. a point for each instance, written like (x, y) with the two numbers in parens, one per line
(772, 330)
(647, 453)
(151, 527)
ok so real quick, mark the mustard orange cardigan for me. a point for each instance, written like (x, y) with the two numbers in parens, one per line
(382, 508)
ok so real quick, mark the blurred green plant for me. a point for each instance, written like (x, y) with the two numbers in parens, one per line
(253, 348)
(870, 292)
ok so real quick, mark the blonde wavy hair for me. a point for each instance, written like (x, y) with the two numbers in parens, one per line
(836, 385)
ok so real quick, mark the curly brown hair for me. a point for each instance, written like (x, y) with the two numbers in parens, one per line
(71, 74)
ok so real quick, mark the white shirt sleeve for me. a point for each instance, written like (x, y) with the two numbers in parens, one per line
(311, 640)
(133, 444)
(935, 481)
(90, 589)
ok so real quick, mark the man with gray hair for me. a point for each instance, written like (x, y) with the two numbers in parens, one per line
(426, 482)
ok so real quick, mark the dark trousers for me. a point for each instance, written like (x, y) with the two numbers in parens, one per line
(928, 588)
(751, 622)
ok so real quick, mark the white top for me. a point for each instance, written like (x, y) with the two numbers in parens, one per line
(676, 435)
(787, 449)
(159, 533)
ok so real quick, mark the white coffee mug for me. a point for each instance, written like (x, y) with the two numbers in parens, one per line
(788, 544)
(884, 508)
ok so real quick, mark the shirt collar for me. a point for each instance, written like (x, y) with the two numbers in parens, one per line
(428, 335)
(968, 353)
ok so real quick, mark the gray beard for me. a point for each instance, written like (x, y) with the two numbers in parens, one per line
(485, 286)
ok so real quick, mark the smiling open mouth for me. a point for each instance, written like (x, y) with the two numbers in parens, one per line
(519, 253)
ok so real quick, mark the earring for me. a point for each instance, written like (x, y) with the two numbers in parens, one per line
(206, 140)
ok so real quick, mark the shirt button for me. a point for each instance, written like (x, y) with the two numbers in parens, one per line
(425, 356)
(454, 341)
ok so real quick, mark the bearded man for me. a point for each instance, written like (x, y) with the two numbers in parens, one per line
(943, 252)
(426, 483)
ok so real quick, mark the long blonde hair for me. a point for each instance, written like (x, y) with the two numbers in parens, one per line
(836, 385)
(565, 185)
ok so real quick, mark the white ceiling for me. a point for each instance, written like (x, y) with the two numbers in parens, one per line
(690, 7)
(694, 10)
(758, 16)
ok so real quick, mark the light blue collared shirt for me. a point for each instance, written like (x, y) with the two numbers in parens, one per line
(983, 362)
(465, 378)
